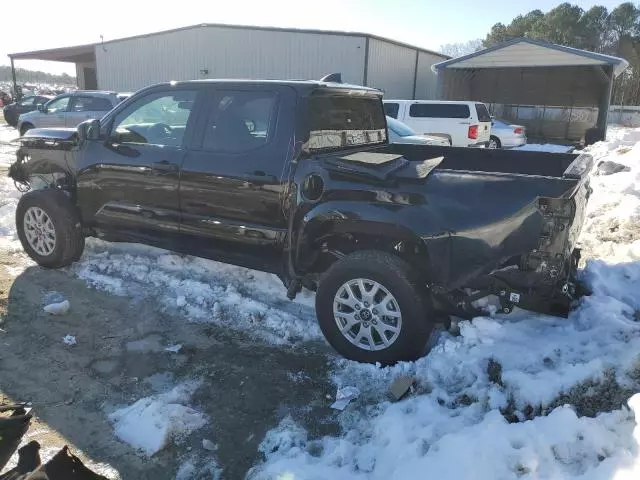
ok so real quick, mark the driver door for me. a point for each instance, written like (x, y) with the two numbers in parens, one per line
(55, 114)
(128, 183)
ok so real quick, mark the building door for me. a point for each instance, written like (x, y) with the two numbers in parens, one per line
(90, 79)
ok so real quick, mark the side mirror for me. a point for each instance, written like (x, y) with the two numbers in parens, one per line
(89, 130)
(42, 108)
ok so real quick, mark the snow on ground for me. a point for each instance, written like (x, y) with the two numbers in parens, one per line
(7, 149)
(545, 147)
(490, 403)
(152, 422)
(201, 290)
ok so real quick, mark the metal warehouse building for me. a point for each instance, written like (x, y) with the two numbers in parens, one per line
(229, 51)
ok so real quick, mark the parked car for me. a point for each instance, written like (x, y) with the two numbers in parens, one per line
(69, 109)
(401, 133)
(12, 111)
(466, 124)
(392, 238)
(506, 135)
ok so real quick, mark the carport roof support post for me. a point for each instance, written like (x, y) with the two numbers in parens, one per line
(13, 76)
(605, 100)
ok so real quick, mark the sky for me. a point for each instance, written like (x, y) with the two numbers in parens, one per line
(424, 23)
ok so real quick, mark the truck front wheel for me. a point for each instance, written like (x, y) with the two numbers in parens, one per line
(372, 307)
(49, 228)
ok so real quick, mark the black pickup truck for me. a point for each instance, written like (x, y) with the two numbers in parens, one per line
(297, 178)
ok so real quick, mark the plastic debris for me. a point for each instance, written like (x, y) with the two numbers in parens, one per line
(344, 396)
(60, 308)
(69, 340)
(401, 386)
(174, 348)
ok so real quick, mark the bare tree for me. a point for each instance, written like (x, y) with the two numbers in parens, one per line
(463, 48)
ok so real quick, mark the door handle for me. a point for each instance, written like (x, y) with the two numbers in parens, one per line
(164, 166)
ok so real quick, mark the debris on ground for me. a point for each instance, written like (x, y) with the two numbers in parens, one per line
(209, 445)
(401, 386)
(344, 396)
(69, 340)
(608, 167)
(60, 308)
(174, 348)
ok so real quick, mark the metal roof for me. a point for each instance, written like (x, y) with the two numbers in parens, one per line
(67, 54)
(619, 64)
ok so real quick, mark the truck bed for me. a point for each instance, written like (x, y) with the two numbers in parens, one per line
(488, 160)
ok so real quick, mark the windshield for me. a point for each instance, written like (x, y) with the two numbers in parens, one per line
(399, 128)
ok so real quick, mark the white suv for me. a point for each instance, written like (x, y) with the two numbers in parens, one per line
(466, 124)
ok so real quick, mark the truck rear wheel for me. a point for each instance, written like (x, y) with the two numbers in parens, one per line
(372, 308)
(49, 228)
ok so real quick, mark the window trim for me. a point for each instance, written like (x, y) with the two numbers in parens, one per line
(189, 127)
(214, 97)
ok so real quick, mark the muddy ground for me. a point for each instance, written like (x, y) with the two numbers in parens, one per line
(248, 386)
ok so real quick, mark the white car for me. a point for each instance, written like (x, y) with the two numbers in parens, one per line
(401, 133)
(70, 109)
(466, 124)
(506, 135)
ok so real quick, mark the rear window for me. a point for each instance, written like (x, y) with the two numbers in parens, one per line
(392, 109)
(338, 121)
(483, 113)
(439, 110)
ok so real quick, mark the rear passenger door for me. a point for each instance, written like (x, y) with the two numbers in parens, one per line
(231, 189)
(84, 107)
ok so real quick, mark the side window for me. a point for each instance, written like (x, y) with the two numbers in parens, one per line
(391, 109)
(27, 101)
(439, 110)
(90, 104)
(483, 113)
(158, 119)
(58, 105)
(240, 121)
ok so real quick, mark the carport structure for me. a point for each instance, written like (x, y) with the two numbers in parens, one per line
(557, 92)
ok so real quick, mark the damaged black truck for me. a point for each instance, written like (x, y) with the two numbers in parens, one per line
(298, 179)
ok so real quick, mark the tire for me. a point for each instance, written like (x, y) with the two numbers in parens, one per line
(494, 142)
(24, 128)
(407, 290)
(64, 220)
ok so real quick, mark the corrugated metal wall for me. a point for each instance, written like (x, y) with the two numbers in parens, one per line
(391, 68)
(427, 80)
(128, 65)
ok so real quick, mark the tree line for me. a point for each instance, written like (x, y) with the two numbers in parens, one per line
(33, 76)
(615, 32)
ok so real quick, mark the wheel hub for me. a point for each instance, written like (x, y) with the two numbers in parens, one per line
(367, 314)
(39, 231)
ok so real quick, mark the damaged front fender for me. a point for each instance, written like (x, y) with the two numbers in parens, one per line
(46, 157)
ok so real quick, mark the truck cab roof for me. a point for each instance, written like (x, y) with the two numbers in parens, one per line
(305, 86)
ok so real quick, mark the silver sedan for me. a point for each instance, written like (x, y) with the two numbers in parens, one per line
(506, 135)
(401, 133)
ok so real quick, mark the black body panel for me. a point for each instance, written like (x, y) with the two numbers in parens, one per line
(470, 218)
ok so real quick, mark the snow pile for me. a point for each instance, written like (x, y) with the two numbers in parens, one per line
(202, 290)
(493, 402)
(152, 422)
(545, 147)
(7, 145)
